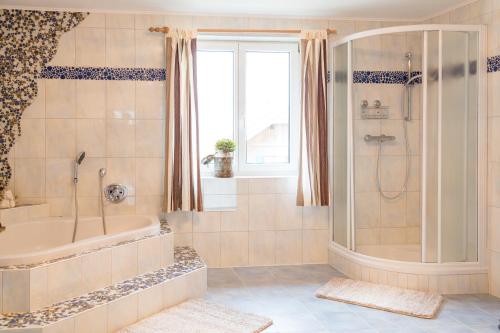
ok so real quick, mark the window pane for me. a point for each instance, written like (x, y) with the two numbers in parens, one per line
(267, 96)
(215, 98)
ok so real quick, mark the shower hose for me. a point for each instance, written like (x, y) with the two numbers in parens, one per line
(408, 162)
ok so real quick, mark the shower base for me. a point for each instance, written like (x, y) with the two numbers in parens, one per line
(403, 252)
(446, 278)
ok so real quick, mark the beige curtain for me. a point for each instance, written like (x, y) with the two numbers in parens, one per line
(182, 165)
(313, 187)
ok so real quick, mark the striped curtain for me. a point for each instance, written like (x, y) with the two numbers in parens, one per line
(182, 166)
(313, 189)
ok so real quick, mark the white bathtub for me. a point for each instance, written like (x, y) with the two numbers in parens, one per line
(50, 238)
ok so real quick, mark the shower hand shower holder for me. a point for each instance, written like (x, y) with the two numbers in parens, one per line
(375, 111)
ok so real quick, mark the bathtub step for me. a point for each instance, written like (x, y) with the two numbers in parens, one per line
(121, 304)
(28, 288)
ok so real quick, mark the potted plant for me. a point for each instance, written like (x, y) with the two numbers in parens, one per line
(223, 158)
(223, 162)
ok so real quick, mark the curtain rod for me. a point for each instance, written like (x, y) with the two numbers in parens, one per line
(270, 31)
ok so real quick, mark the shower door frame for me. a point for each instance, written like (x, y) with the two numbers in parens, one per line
(481, 147)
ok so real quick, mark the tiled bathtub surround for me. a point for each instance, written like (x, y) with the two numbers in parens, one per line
(118, 305)
(31, 287)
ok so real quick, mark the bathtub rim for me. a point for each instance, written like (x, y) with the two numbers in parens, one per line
(156, 227)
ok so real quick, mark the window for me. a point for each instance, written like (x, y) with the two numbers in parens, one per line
(215, 97)
(249, 92)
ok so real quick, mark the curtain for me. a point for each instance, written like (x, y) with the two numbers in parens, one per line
(182, 190)
(313, 189)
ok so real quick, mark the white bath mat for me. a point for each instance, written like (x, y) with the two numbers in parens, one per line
(404, 301)
(200, 316)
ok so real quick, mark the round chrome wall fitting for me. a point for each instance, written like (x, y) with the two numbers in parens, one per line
(115, 193)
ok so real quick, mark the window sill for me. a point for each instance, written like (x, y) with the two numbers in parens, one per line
(220, 209)
(248, 177)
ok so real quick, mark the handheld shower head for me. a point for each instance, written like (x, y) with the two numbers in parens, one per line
(79, 159)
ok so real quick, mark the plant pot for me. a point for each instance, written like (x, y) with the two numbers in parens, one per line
(223, 165)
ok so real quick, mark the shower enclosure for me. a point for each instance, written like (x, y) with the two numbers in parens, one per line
(409, 146)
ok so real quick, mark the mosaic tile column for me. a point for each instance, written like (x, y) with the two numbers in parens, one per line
(29, 41)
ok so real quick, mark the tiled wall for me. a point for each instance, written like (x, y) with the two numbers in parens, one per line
(120, 123)
(267, 228)
(487, 12)
(381, 221)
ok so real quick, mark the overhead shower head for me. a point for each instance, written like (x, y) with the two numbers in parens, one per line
(80, 158)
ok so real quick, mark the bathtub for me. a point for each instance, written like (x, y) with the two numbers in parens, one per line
(50, 238)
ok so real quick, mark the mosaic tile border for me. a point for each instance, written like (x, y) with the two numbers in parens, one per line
(186, 260)
(494, 64)
(103, 73)
(160, 74)
(164, 229)
(382, 77)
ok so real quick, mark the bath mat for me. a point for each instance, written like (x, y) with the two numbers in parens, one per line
(199, 316)
(403, 301)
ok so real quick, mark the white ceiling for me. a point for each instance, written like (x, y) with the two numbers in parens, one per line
(373, 9)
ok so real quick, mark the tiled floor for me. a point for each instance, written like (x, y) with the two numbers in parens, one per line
(286, 295)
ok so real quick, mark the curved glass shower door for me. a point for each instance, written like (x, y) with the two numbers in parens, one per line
(341, 205)
(452, 141)
(406, 145)
(458, 147)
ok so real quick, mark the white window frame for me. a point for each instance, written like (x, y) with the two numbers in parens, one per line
(241, 167)
(232, 47)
